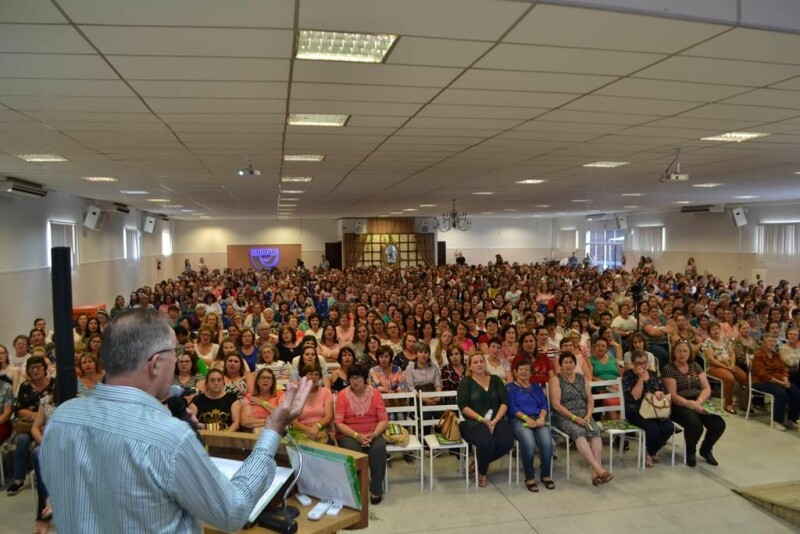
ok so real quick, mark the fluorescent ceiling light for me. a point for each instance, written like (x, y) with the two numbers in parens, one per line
(205, 217)
(682, 202)
(483, 193)
(288, 199)
(172, 206)
(606, 164)
(99, 179)
(541, 206)
(41, 158)
(158, 200)
(340, 46)
(188, 211)
(580, 200)
(303, 157)
(747, 197)
(533, 181)
(133, 192)
(487, 213)
(708, 185)
(633, 194)
(396, 213)
(798, 172)
(293, 191)
(317, 119)
(427, 205)
(295, 179)
(734, 137)
(510, 209)
(630, 207)
(409, 209)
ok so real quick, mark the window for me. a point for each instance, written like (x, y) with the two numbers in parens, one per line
(166, 243)
(651, 240)
(604, 247)
(568, 240)
(378, 250)
(133, 251)
(781, 239)
(62, 234)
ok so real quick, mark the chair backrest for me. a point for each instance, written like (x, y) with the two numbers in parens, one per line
(448, 403)
(405, 404)
(613, 390)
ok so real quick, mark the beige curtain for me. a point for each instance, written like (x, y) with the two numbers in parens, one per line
(354, 245)
(395, 225)
(425, 247)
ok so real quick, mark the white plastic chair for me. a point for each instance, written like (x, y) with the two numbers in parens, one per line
(620, 427)
(674, 434)
(429, 434)
(751, 390)
(410, 421)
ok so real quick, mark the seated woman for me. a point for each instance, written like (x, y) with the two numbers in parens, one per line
(318, 410)
(258, 405)
(267, 358)
(527, 412)
(8, 371)
(237, 379)
(6, 409)
(770, 375)
(638, 343)
(360, 422)
(572, 403)
(637, 382)
(370, 357)
(309, 356)
(44, 513)
(687, 384)
(216, 408)
(346, 359)
(453, 372)
(604, 367)
(721, 363)
(91, 373)
(227, 348)
(656, 335)
(187, 375)
(483, 401)
(387, 377)
(496, 363)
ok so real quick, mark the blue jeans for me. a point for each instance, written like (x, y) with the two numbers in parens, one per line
(529, 439)
(784, 398)
(22, 456)
(41, 491)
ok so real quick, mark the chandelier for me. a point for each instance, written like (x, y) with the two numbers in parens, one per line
(455, 219)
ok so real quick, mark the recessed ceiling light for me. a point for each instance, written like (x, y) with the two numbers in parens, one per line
(708, 185)
(427, 205)
(293, 191)
(580, 200)
(633, 194)
(133, 192)
(798, 172)
(382, 215)
(288, 199)
(295, 179)
(511, 209)
(747, 197)
(158, 200)
(188, 211)
(317, 119)
(282, 205)
(682, 202)
(205, 217)
(541, 206)
(606, 164)
(409, 209)
(175, 206)
(734, 137)
(483, 193)
(487, 213)
(531, 181)
(341, 46)
(41, 158)
(630, 207)
(99, 179)
(303, 157)
(396, 213)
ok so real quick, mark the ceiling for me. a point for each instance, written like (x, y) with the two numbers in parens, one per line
(174, 97)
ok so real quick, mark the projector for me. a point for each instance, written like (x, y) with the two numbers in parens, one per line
(675, 177)
(249, 171)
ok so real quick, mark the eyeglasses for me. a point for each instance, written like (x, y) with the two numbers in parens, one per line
(177, 350)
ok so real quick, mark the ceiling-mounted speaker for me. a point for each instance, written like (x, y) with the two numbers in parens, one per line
(622, 221)
(739, 217)
(149, 224)
(93, 218)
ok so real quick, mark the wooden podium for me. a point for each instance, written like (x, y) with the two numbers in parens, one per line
(237, 446)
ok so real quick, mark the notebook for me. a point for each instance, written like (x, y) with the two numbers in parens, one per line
(229, 468)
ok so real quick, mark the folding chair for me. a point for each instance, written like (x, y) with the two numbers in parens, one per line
(751, 391)
(429, 434)
(620, 427)
(410, 421)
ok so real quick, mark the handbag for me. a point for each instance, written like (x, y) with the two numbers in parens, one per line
(396, 435)
(653, 408)
(448, 427)
(23, 427)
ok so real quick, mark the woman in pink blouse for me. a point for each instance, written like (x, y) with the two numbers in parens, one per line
(360, 421)
(318, 411)
(386, 377)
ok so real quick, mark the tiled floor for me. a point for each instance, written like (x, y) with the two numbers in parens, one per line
(661, 500)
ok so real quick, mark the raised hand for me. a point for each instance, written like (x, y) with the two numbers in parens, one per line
(291, 407)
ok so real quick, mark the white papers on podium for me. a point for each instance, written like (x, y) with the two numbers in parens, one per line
(229, 468)
(327, 474)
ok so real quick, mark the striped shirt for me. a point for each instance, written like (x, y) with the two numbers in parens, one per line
(117, 461)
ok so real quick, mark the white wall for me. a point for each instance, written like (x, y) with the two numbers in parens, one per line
(517, 240)
(102, 273)
(210, 239)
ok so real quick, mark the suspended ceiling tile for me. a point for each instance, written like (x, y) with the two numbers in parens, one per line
(750, 44)
(216, 105)
(502, 98)
(42, 39)
(210, 89)
(48, 87)
(542, 125)
(793, 84)
(233, 13)
(206, 42)
(596, 117)
(352, 108)
(670, 90)
(55, 66)
(436, 52)
(213, 69)
(485, 112)
(95, 117)
(30, 11)
(76, 104)
(361, 93)
(744, 113)
(223, 118)
(530, 81)
(364, 73)
(593, 28)
(723, 71)
(768, 97)
(644, 106)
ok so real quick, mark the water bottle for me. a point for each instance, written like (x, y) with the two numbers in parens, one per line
(489, 414)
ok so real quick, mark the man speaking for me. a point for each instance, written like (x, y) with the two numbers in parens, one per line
(116, 461)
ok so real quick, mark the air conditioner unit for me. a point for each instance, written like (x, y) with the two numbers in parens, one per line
(93, 218)
(15, 186)
(597, 217)
(704, 208)
(149, 224)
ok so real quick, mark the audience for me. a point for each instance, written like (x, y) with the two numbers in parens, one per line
(771, 376)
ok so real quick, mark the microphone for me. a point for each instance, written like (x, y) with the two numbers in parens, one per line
(177, 406)
(180, 391)
(282, 519)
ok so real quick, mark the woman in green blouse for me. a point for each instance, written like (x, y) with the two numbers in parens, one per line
(483, 401)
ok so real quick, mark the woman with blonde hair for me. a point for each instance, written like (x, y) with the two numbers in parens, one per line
(258, 406)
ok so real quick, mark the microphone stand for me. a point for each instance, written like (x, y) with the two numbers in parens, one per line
(282, 519)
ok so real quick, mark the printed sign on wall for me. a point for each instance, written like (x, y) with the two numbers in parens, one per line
(258, 256)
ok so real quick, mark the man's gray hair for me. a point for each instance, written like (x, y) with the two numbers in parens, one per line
(132, 338)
